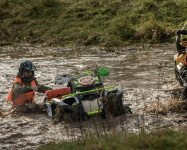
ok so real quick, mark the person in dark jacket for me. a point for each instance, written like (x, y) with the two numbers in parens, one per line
(181, 38)
(181, 59)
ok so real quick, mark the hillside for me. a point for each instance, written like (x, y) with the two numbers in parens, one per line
(90, 22)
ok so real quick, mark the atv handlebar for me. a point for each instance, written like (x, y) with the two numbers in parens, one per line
(182, 32)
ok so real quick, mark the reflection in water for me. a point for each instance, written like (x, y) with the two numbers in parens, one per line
(143, 74)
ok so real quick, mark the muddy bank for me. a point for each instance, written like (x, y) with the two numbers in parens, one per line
(90, 22)
(146, 75)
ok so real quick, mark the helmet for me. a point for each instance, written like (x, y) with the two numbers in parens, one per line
(184, 35)
(26, 66)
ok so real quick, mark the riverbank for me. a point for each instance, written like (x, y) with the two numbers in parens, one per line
(90, 22)
(163, 139)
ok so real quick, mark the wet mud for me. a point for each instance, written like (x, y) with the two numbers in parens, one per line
(145, 74)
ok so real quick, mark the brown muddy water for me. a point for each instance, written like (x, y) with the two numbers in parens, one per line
(145, 74)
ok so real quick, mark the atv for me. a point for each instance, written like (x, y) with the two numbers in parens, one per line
(180, 60)
(85, 96)
(181, 72)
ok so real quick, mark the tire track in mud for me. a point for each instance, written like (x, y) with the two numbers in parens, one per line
(145, 75)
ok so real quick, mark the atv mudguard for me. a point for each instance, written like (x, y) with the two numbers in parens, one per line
(79, 109)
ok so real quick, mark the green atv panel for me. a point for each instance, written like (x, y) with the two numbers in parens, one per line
(75, 85)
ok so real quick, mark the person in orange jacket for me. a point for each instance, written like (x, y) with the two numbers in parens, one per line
(181, 56)
(25, 85)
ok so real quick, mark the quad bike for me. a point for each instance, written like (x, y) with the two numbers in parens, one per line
(181, 72)
(85, 96)
(180, 69)
(180, 60)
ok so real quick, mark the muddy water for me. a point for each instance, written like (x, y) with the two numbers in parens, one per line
(145, 74)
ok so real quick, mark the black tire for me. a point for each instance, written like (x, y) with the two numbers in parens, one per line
(79, 114)
(113, 104)
(178, 77)
(62, 113)
(126, 110)
(184, 93)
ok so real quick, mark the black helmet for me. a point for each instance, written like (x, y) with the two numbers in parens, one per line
(26, 66)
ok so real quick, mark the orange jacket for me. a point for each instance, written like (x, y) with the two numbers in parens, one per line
(185, 60)
(23, 98)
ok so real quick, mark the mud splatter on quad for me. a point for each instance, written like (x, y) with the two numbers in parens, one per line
(86, 96)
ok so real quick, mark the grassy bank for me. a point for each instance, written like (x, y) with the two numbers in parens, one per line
(161, 140)
(90, 22)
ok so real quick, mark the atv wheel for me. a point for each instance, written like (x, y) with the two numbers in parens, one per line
(178, 78)
(184, 93)
(62, 112)
(78, 113)
(113, 104)
(126, 110)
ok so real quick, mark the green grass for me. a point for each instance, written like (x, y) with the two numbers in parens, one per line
(90, 22)
(160, 140)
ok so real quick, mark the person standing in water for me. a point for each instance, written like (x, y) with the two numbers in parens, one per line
(25, 85)
(181, 59)
(181, 39)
